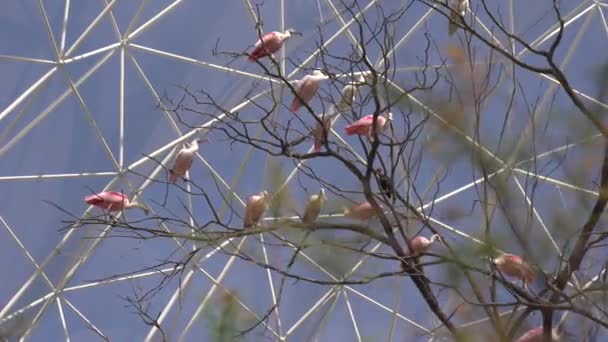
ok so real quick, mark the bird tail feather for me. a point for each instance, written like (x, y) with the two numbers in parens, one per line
(173, 177)
(350, 130)
(295, 105)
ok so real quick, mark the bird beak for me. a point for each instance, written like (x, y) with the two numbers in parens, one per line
(296, 33)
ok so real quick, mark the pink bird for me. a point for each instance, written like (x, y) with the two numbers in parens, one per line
(306, 89)
(364, 125)
(113, 201)
(514, 266)
(270, 43)
(321, 131)
(421, 245)
(362, 211)
(536, 335)
(183, 160)
(254, 208)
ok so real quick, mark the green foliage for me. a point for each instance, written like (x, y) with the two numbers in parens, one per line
(225, 319)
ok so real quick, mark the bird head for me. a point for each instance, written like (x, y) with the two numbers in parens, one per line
(323, 74)
(292, 32)
(322, 194)
(265, 196)
(500, 260)
(138, 204)
(436, 237)
(379, 171)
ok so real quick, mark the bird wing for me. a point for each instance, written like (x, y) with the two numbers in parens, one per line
(313, 208)
(359, 125)
(305, 89)
(183, 163)
(113, 196)
(321, 129)
(250, 205)
(526, 272)
(93, 199)
(106, 198)
(347, 98)
(258, 49)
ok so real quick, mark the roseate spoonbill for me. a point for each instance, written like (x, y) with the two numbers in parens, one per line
(313, 206)
(270, 43)
(457, 12)
(420, 244)
(321, 131)
(349, 94)
(536, 335)
(306, 88)
(113, 201)
(183, 160)
(514, 266)
(255, 207)
(364, 125)
(362, 211)
(385, 183)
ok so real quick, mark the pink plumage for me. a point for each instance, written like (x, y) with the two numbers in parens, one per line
(321, 130)
(306, 89)
(270, 43)
(536, 335)
(181, 166)
(362, 211)
(364, 126)
(420, 245)
(183, 161)
(110, 200)
(514, 266)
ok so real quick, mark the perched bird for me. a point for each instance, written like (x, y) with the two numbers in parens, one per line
(385, 183)
(362, 211)
(364, 125)
(458, 10)
(349, 94)
(270, 43)
(183, 160)
(313, 206)
(514, 266)
(321, 131)
(306, 89)
(536, 335)
(113, 201)
(255, 207)
(421, 245)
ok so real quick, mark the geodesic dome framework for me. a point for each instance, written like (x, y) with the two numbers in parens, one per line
(79, 113)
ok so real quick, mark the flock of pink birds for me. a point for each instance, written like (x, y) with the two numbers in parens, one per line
(256, 205)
